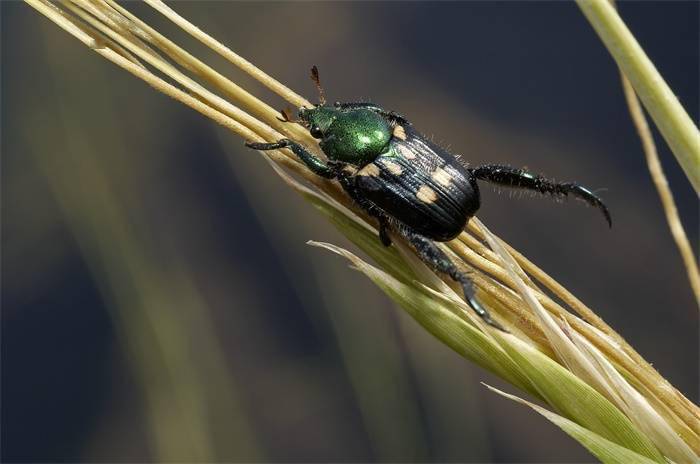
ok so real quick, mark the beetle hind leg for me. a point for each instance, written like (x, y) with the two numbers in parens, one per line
(434, 257)
(518, 178)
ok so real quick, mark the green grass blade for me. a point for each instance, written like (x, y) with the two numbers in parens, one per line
(589, 365)
(673, 122)
(605, 450)
(578, 401)
(435, 316)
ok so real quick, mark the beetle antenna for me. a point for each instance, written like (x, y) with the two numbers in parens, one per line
(317, 81)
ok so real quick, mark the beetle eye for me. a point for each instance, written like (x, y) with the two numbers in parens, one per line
(315, 132)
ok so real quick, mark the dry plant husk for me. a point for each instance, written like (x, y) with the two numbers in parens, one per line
(596, 387)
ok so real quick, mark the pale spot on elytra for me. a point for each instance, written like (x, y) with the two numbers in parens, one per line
(350, 169)
(393, 168)
(370, 170)
(442, 177)
(406, 152)
(426, 194)
(399, 132)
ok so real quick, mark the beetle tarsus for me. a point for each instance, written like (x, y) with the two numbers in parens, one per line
(432, 255)
(508, 176)
(470, 294)
(283, 143)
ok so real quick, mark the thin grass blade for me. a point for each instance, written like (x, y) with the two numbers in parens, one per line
(605, 450)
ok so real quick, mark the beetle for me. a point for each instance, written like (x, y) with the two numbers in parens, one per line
(412, 186)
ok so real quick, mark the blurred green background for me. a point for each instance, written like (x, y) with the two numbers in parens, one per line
(158, 298)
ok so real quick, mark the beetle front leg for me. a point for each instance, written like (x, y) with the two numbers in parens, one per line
(317, 166)
(519, 178)
(435, 258)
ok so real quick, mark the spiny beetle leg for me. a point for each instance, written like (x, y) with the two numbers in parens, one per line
(309, 159)
(432, 255)
(384, 232)
(348, 185)
(511, 177)
(283, 143)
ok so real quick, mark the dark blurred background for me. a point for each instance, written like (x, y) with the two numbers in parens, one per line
(158, 298)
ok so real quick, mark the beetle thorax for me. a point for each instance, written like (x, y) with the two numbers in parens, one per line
(357, 137)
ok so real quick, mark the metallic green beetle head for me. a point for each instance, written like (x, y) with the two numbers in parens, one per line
(318, 119)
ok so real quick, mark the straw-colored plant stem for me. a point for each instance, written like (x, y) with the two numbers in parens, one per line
(675, 125)
(578, 365)
(659, 178)
(661, 183)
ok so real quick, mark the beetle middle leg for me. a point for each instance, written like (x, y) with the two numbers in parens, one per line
(519, 178)
(434, 257)
(371, 209)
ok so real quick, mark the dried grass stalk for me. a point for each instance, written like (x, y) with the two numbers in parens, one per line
(565, 355)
